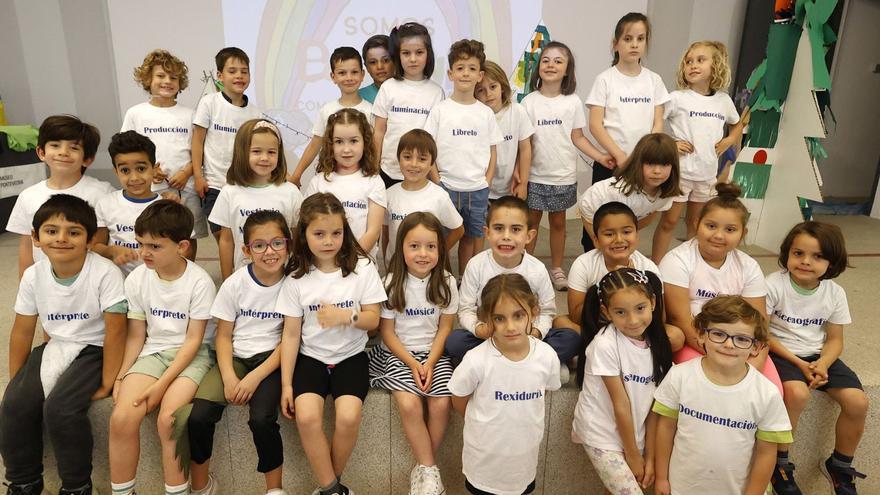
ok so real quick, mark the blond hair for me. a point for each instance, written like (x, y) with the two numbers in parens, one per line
(143, 74)
(720, 78)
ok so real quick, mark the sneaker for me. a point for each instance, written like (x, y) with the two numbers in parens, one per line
(564, 374)
(209, 489)
(557, 276)
(783, 480)
(842, 479)
(431, 483)
(415, 480)
(32, 488)
(275, 491)
(343, 490)
(83, 490)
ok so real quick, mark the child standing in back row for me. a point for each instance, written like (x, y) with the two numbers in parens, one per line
(559, 122)
(466, 134)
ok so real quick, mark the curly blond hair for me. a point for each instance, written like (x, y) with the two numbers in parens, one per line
(143, 74)
(720, 78)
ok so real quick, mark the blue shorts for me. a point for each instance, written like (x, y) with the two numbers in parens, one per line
(210, 199)
(472, 206)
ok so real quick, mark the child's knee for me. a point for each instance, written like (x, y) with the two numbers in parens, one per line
(668, 223)
(439, 405)
(125, 419)
(855, 403)
(348, 418)
(309, 418)
(797, 394)
(410, 406)
(165, 424)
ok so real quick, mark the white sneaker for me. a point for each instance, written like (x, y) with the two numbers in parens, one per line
(209, 489)
(431, 483)
(415, 480)
(564, 374)
(557, 276)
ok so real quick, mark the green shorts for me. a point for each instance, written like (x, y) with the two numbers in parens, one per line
(155, 364)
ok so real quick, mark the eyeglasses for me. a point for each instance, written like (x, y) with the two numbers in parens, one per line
(741, 341)
(277, 244)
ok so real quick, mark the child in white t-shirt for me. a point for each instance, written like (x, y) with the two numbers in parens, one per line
(348, 169)
(710, 265)
(404, 101)
(646, 184)
(626, 101)
(625, 355)
(513, 156)
(215, 123)
(67, 146)
(255, 181)
(134, 161)
(500, 388)
(807, 313)
(78, 298)
(720, 420)
(347, 73)
(248, 357)
(330, 300)
(168, 124)
(466, 133)
(415, 322)
(559, 120)
(166, 351)
(698, 114)
(417, 154)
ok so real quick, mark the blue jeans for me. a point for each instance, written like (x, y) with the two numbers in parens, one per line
(564, 341)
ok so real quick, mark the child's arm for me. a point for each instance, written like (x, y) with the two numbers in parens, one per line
(380, 126)
(831, 350)
(289, 346)
(625, 429)
(198, 153)
(586, 147)
(678, 312)
(453, 237)
(114, 352)
(460, 403)
(650, 448)
(392, 341)
(375, 215)
(763, 462)
(119, 255)
(576, 305)
(331, 316)
(306, 159)
(437, 348)
(597, 129)
(384, 240)
(657, 126)
(226, 246)
(25, 255)
(223, 348)
(21, 338)
(524, 162)
(664, 438)
(780, 350)
(734, 137)
(179, 179)
(134, 343)
(490, 170)
(248, 385)
(195, 333)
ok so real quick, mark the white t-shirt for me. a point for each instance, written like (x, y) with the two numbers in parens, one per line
(740, 275)
(629, 104)
(515, 125)
(699, 120)
(718, 424)
(431, 198)
(250, 305)
(406, 104)
(117, 212)
(482, 267)
(609, 190)
(31, 199)
(334, 106)
(589, 268)
(613, 354)
(464, 136)
(73, 313)
(168, 306)
(302, 297)
(554, 156)
(236, 203)
(354, 191)
(169, 128)
(797, 320)
(417, 326)
(504, 422)
(222, 120)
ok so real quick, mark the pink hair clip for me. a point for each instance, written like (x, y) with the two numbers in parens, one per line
(268, 125)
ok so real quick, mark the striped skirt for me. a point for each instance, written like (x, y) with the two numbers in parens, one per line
(390, 373)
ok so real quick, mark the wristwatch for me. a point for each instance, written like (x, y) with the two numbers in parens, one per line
(355, 314)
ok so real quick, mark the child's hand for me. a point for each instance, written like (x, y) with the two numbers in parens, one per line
(287, 402)
(820, 373)
(636, 464)
(116, 387)
(101, 393)
(295, 180)
(684, 147)
(229, 389)
(331, 316)
(151, 397)
(160, 175)
(178, 180)
(429, 377)
(661, 487)
(521, 191)
(122, 255)
(723, 145)
(245, 389)
(610, 162)
(648, 478)
(173, 196)
(418, 371)
(201, 186)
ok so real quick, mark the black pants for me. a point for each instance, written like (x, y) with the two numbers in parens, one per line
(476, 491)
(388, 180)
(65, 413)
(263, 420)
(601, 173)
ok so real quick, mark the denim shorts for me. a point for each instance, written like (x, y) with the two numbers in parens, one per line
(472, 206)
